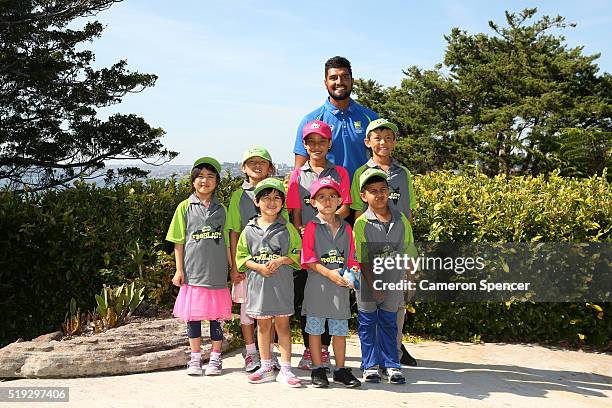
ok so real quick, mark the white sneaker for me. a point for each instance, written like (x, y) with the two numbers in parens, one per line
(393, 376)
(194, 367)
(288, 378)
(371, 375)
(214, 366)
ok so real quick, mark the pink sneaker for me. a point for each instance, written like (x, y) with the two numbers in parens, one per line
(261, 376)
(306, 360)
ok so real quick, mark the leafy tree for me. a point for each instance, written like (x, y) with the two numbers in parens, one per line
(506, 102)
(49, 94)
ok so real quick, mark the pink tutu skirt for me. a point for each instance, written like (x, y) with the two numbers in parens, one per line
(195, 303)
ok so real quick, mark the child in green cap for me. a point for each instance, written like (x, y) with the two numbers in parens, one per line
(381, 138)
(256, 165)
(202, 261)
(268, 250)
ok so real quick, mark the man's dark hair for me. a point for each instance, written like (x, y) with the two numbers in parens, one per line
(195, 172)
(372, 180)
(338, 62)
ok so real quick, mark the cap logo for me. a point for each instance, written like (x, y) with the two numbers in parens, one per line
(315, 126)
(324, 182)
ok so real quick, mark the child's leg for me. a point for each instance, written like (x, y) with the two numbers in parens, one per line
(367, 338)
(299, 283)
(284, 338)
(216, 335)
(387, 339)
(246, 324)
(272, 333)
(401, 315)
(315, 349)
(339, 330)
(194, 333)
(263, 338)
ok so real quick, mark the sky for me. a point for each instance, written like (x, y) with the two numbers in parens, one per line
(233, 74)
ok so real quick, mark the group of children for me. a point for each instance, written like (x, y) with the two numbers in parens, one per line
(279, 263)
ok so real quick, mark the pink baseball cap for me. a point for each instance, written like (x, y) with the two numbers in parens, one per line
(325, 182)
(318, 127)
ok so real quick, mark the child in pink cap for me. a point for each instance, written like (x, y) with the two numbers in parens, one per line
(327, 249)
(316, 137)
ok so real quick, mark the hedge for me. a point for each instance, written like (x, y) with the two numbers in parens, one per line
(62, 244)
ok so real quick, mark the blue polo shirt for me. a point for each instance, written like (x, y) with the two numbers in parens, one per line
(348, 132)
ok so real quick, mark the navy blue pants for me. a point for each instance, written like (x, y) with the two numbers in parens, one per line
(194, 330)
(378, 337)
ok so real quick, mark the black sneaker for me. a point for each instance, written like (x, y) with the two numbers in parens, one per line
(406, 358)
(345, 376)
(318, 377)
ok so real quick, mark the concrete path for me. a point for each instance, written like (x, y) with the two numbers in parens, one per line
(449, 375)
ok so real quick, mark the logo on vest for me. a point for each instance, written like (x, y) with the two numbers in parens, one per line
(264, 255)
(208, 232)
(395, 195)
(333, 257)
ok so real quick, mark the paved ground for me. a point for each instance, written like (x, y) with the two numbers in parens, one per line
(449, 375)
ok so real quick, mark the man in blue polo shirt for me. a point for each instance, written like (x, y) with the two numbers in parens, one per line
(347, 119)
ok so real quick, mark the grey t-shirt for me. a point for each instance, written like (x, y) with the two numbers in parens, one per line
(202, 230)
(374, 238)
(272, 295)
(322, 297)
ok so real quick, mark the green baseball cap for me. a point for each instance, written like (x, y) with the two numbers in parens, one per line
(369, 173)
(270, 182)
(382, 123)
(256, 151)
(208, 160)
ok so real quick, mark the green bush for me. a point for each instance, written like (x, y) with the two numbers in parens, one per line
(66, 244)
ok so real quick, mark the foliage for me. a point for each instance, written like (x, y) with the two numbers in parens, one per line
(49, 132)
(517, 101)
(117, 304)
(66, 244)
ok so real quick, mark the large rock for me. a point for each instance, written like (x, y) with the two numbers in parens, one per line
(140, 346)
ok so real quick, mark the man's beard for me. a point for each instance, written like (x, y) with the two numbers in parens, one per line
(343, 96)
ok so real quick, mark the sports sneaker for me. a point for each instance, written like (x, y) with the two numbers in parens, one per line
(261, 376)
(371, 375)
(325, 359)
(393, 376)
(318, 376)
(214, 366)
(275, 364)
(251, 362)
(306, 360)
(194, 367)
(288, 378)
(345, 376)
(406, 358)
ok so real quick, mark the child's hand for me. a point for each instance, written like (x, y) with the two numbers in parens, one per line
(274, 264)
(178, 279)
(236, 277)
(265, 271)
(302, 230)
(337, 279)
